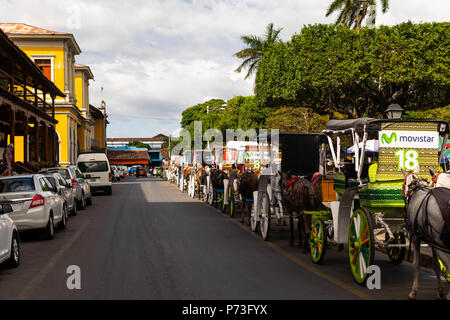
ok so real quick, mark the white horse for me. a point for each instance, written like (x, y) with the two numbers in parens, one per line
(425, 223)
(440, 179)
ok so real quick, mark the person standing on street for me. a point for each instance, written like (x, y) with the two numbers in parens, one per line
(8, 159)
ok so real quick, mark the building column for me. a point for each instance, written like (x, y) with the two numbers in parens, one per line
(36, 139)
(25, 140)
(13, 130)
(46, 143)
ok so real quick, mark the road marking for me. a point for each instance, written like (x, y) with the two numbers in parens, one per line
(295, 259)
(43, 273)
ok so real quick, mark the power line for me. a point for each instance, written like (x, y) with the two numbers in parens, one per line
(135, 116)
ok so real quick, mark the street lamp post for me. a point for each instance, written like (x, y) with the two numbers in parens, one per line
(394, 111)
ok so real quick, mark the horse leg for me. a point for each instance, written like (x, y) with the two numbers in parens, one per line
(291, 227)
(437, 269)
(307, 225)
(416, 264)
(243, 212)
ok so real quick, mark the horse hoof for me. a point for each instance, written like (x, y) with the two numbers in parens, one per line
(441, 296)
(412, 296)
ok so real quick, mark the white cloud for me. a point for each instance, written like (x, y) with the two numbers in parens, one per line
(154, 58)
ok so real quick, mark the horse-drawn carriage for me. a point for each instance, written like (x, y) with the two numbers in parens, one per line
(362, 202)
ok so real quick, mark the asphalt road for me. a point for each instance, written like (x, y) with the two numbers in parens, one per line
(149, 241)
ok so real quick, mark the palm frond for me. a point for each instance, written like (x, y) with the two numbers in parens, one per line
(384, 5)
(334, 6)
(246, 53)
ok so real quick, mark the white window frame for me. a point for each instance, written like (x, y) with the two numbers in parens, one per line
(46, 56)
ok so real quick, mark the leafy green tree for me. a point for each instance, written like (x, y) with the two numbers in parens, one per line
(257, 46)
(331, 68)
(139, 144)
(353, 12)
(297, 120)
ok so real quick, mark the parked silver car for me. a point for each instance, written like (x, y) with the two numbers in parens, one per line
(35, 203)
(64, 190)
(80, 186)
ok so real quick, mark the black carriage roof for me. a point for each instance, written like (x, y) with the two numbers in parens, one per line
(267, 137)
(371, 124)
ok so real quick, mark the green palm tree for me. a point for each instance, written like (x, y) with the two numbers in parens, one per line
(353, 12)
(257, 46)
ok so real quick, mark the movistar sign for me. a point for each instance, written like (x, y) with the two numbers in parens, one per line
(409, 139)
(388, 139)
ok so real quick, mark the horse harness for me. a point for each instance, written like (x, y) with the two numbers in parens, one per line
(427, 226)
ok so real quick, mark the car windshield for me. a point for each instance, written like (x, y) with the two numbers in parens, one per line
(93, 166)
(16, 185)
(64, 172)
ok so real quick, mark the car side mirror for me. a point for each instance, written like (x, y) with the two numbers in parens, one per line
(5, 208)
(55, 189)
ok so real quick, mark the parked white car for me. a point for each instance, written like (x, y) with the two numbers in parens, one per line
(9, 238)
(35, 203)
(64, 190)
(80, 187)
(96, 169)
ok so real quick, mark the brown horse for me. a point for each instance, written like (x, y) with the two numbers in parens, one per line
(247, 184)
(298, 195)
(217, 178)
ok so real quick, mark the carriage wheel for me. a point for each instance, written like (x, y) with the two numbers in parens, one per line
(318, 241)
(253, 214)
(397, 254)
(231, 201)
(205, 195)
(265, 216)
(221, 197)
(444, 270)
(361, 244)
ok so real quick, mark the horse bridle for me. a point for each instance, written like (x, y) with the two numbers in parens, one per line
(434, 180)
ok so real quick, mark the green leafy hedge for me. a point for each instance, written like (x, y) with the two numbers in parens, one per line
(358, 72)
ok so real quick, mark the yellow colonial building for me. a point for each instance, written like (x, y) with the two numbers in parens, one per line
(54, 53)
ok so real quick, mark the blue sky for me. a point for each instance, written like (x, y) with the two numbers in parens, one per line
(155, 58)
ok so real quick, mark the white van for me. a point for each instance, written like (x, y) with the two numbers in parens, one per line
(96, 169)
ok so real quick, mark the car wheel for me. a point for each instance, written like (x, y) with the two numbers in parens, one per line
(82, 202)
(74, 208)
(109, 191)
(49, 230)
(89, 201)
(14, 259)
(63, 223)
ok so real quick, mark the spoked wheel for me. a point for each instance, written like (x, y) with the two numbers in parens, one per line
(265, 216)
(444, 270)
(318, 241)
(397, 254)
(253, 217)
(205, 195)
(221, 200)
(231, 201)
(361, 246)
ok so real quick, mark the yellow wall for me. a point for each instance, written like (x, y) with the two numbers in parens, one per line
(79, 91)
(62, 129)
(58, 62)
(98, 131)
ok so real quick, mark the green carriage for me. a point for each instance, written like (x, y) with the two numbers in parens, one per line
(369, 207)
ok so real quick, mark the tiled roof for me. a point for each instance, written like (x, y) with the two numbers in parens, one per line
(114, 155)
(22, 28)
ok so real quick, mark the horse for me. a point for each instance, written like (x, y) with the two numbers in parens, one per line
(426, 223)
(298, 195)
(217, 178)
(440, 179)
(247, 184)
